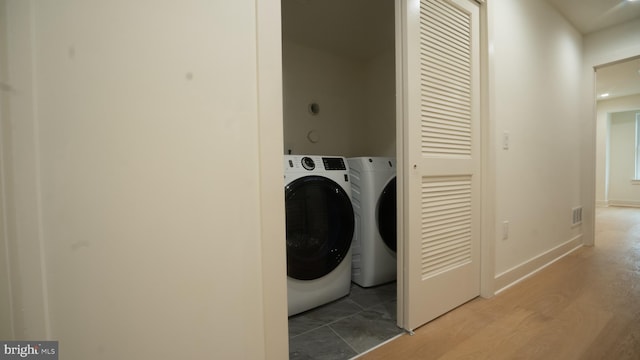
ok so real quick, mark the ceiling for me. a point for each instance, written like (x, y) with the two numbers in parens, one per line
(588, 16)
(357, 29)
(360, 29)
(593, 15)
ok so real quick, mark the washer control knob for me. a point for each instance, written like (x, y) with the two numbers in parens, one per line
(308, 163)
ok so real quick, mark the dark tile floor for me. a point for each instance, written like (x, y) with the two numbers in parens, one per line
(346, 327)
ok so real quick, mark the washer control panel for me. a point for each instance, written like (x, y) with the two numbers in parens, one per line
(315, 163)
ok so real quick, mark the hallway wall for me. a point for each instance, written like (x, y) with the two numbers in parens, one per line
(133, 134)
(535, 94)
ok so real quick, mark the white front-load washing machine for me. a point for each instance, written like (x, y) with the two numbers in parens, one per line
(319, 228)
(373, 191)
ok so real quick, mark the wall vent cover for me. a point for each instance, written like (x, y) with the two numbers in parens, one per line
(576, 215)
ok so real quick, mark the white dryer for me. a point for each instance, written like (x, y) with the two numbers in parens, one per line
(319, 227)
(373, 190)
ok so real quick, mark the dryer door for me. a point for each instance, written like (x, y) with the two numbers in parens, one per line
(386, 215)
(320, 226)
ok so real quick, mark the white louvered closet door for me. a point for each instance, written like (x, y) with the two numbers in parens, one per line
(442, 167)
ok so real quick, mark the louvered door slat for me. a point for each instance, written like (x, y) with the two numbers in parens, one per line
(444, 134)
(455, 25)
(452, 66)
(450, 13)
(441, 96)
(444, 240)
(452, 42)
(456, 246)
(456, 114)
(456, 58)
(449, 103)
(449, 209)
(440, 120)
(445, 233)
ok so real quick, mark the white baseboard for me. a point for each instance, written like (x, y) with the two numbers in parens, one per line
(602, 203)
(518, 273)
(625, 203)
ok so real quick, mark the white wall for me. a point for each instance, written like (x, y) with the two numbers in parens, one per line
(379, 123)
(535, 86)
(335, 83)
(133, 178)
(603, 110)
(622, 145)
(356, 98)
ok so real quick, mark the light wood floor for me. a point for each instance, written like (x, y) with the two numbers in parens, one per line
(585, 306)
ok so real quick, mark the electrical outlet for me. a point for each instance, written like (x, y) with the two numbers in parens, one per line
(505, 230)
(505, 140)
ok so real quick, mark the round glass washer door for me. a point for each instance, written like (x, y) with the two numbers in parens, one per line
(386, 215)
(320, 225)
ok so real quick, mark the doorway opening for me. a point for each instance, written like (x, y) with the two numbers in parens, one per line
(339, 98)
(617, 106)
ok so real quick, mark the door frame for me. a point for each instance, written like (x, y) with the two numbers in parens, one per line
(597, 145)
(270, 124)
